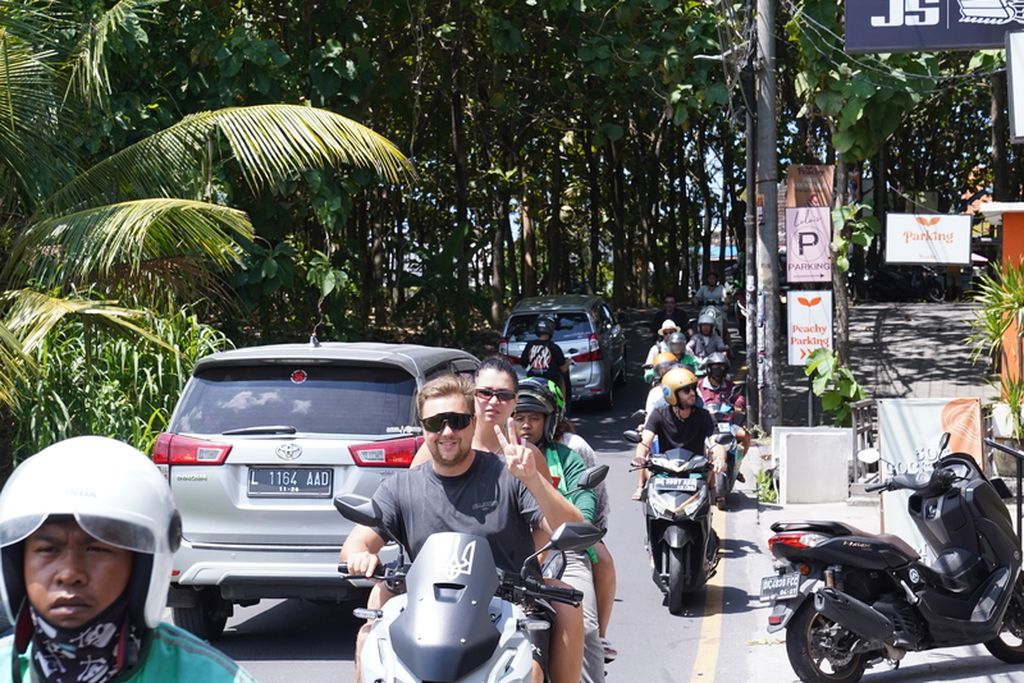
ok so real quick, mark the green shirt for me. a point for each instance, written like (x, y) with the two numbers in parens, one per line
(567, 465)
(169, 654)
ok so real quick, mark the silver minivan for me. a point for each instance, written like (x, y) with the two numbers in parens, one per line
(585, 330)
(261, 441)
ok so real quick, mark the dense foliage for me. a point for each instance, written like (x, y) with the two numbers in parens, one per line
(558, 145)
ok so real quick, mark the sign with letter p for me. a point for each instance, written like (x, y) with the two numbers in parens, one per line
(808, 244)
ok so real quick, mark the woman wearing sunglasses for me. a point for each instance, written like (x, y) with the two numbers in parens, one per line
(496, 383)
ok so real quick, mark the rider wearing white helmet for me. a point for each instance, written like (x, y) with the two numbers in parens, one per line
(87, 531)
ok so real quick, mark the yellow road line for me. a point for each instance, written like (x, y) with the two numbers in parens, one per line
(706, 661)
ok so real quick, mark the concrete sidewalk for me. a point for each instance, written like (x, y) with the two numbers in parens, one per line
(902, 350)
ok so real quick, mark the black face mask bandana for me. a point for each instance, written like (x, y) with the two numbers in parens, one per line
(92, 653)
(717, 372)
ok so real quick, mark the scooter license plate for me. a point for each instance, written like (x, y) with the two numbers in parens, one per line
(780, 586)
(675, 483)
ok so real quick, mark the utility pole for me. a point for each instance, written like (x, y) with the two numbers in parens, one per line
(768, 234)
(750, 217)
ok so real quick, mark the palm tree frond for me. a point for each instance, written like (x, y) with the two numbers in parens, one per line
(87, 245)
(89, 78)
(32, 315)
(271, 143)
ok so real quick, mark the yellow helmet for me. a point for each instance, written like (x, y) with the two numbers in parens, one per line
(664, 357)
(674, 380)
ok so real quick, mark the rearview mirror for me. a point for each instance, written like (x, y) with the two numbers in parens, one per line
(640, 414)
(592, 477)
(631, 435)
(575, 536)
(358, 509)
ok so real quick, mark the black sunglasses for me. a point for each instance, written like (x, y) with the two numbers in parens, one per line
(436, 423)
(689, 388)
(487, 394)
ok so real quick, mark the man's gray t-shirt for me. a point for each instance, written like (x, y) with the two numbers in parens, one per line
(485, 500)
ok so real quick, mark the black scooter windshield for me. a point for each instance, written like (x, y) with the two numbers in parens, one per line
(445, 630)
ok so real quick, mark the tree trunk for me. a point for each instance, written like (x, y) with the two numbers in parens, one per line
(498, 258)
(620, 256)
(529, 238)
(684, 219)
(1000, 139)
(593, 180)
(839, 292)
(459, 154)
(557, 267)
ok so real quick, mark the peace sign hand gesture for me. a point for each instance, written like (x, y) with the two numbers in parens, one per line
(518, 457)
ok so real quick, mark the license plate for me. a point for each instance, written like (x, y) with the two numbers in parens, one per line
(290, 482)
(677, 483)
(725, 427)
(780, 586)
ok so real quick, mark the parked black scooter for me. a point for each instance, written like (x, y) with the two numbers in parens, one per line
(849, 599)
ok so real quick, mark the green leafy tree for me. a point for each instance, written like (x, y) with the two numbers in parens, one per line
(147, 223)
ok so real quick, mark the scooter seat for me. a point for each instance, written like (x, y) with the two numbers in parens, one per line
(844, 529)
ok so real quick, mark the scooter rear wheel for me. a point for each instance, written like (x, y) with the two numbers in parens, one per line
(808, 659)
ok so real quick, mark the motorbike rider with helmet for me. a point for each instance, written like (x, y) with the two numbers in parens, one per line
(666, 312)
(502, 499)
(713, 294)
(679, 424)
(542, 357)
(663, 362)
(677, 347)
(715, 387)
(88, 528)
(667, 329)
(706, 340)
(537, 416)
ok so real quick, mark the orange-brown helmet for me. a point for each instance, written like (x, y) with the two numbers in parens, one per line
(674, 380)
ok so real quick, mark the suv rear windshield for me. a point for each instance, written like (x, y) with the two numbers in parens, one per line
(324, 399)
(568, 325)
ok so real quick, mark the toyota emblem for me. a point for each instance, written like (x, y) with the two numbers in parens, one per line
(289, 451)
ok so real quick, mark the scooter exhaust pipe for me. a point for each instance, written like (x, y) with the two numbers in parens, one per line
(854, 615)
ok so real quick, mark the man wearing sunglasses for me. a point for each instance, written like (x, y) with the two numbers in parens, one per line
(500, 498)
(679, 424)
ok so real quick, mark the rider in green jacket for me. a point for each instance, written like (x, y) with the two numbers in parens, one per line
(87, 531)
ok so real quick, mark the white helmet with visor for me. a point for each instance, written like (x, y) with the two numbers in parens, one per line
(115, 493)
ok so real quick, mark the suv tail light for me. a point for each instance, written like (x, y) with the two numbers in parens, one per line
(396, 453)
(797, 539)
(503, 351)
(175, 449)
(593, 353)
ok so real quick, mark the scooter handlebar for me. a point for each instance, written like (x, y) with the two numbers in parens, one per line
(378, 571)
(871, 488)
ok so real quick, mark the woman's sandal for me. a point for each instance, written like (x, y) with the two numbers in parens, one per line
(638, 494)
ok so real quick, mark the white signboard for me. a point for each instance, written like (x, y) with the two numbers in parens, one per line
(809, 323)
(909, 430)
(1015, 81)
(928, 239)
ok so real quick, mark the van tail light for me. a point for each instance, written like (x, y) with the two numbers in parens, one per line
(175, 449)
(396, 453)
(593, 352)
(801, 540)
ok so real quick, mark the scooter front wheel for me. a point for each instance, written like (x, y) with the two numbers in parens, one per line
(676, 562)
(1008, 646)
(805, 635)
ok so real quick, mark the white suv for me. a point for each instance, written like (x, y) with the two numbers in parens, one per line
(261, 441)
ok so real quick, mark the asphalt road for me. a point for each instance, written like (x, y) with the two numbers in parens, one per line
(722, 636)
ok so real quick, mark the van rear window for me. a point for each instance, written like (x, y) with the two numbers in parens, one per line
(568, 325)
(324, 399)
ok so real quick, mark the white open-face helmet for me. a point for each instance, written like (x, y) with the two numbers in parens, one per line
(115, 493)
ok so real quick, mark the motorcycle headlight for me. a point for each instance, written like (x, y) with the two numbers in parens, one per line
(695, 501)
